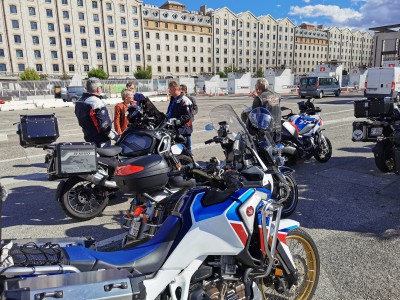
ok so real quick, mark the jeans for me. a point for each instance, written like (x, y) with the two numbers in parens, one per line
(188, 143)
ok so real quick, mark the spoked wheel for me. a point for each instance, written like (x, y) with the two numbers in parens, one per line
(384, 155)
(306, 260)
(324, 150)
(83, 200)
(289, 206)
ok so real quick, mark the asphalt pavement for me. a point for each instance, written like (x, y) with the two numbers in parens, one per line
(347, 205)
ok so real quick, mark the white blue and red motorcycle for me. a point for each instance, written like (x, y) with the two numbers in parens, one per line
(224, 241)
(302, 134)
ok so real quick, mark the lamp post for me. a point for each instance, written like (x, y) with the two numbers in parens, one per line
(189, 67)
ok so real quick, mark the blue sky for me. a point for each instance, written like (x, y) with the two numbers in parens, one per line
(355, 14)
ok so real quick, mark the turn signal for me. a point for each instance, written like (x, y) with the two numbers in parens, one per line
(279, 272)
(127, 170)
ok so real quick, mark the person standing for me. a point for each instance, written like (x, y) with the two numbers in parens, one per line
(131, 86)
(120, 119)
(93, 117)
(179, 112)
(195, 108)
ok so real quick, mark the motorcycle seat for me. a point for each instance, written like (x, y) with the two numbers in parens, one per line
(109, 151)
(146, 258)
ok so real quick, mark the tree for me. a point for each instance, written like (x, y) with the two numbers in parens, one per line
(144, 73)
(98, 73)
(222, 74)
(259, 73)
(230, 69)
(29, 74)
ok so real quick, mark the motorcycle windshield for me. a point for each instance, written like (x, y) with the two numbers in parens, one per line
(275, 126)
(151, 111)
(225, 113)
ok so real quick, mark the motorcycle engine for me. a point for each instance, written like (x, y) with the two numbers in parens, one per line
(218, 289)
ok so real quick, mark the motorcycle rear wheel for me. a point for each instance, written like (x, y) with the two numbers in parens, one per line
(83, 200)
(384, 156)
(324, 150)
(306, 259)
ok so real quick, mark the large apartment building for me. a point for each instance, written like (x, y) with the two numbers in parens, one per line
(57, 37)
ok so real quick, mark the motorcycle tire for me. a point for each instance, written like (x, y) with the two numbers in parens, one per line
(320, 155)
(307, 262)
(83, 200)
(384, 156)
(289, 206)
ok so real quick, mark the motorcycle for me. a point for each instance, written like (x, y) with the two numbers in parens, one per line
(383, 128)
(302, 135)
(226, 241)
(84, 197)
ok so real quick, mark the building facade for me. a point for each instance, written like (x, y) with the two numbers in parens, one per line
(67, 37)
(386, 44)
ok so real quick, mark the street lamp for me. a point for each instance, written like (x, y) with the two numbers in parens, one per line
(189, 68)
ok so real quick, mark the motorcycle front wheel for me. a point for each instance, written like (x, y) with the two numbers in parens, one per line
(306, 260)
(83, 200)
(289, 206)
(324, 150)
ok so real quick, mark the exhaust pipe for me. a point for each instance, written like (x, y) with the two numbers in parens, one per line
(289, 150)
(100, 178)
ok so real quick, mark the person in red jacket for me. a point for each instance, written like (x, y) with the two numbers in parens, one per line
(120, 120)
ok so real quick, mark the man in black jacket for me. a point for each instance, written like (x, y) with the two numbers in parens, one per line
(179, 112)
(93, 115)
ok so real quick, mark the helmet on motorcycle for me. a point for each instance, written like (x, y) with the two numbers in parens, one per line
(134, 113)
(260, 118)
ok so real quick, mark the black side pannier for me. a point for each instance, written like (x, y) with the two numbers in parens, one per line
(37, 130)
(77, 158)
(373, 108)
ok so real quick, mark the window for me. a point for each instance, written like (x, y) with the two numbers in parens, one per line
(15, 24)
(114, 69)
(112, 44)
(79, 2)
(39, 68)
(148, 57)
(83, 42)
(113, 56)
(32, 11)
(123, 21)
(137, 57)
(21, 67)
(56, 68)
(65, 15)
(126, 69)
(135, 22)
(109, 19)
(37, 54)
(125, 45)
(68, 42)
(122, 8)
(35, 40)
(99, 56)
(3, 68)
(33, 25)
(70, 54)
(17, 39)
(167, 36)
(85, 55)
(81, 16)
(1, 52)
(108, 6)
(98, 43)
(148, 47)
(49, 13)
(110, 31)
(86, 68)
(94, 4)
(67, 28)
(52, 40)
(123, 33)
(65, 2)
(54, 54)
(136, 34)
(50, 26)
(19, 53)
(13, 9)
(126, 57)
(82, 29)
(95, 17)
(157, 35)
(47, 1)
(134, 10)
(97, 30)
(71, 68)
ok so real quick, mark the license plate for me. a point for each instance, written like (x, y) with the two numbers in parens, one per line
(134, 229)
(377, 131)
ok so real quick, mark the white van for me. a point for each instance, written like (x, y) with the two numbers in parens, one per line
(383, 82)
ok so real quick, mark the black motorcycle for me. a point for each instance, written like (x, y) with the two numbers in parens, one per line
(383, 128)
(84, 197)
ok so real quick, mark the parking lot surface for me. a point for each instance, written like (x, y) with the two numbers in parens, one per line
(348, 206)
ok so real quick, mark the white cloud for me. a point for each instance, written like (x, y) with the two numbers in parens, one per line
(278, 5)
(368, 13)
(306, 1)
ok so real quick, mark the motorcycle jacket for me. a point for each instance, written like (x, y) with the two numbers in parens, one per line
(181, 108)
(93, 117)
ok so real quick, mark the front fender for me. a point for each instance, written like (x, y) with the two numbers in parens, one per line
(60, 189)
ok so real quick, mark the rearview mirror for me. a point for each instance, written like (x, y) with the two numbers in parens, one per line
(209, 127)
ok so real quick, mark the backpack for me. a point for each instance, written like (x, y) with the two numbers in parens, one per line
(194, 107)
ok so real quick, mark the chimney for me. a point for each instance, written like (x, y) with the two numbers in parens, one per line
(203, 9)
(320, 27)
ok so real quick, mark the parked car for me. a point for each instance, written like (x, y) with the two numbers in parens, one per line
(72, 93)
(318, 86)
(383, 82)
